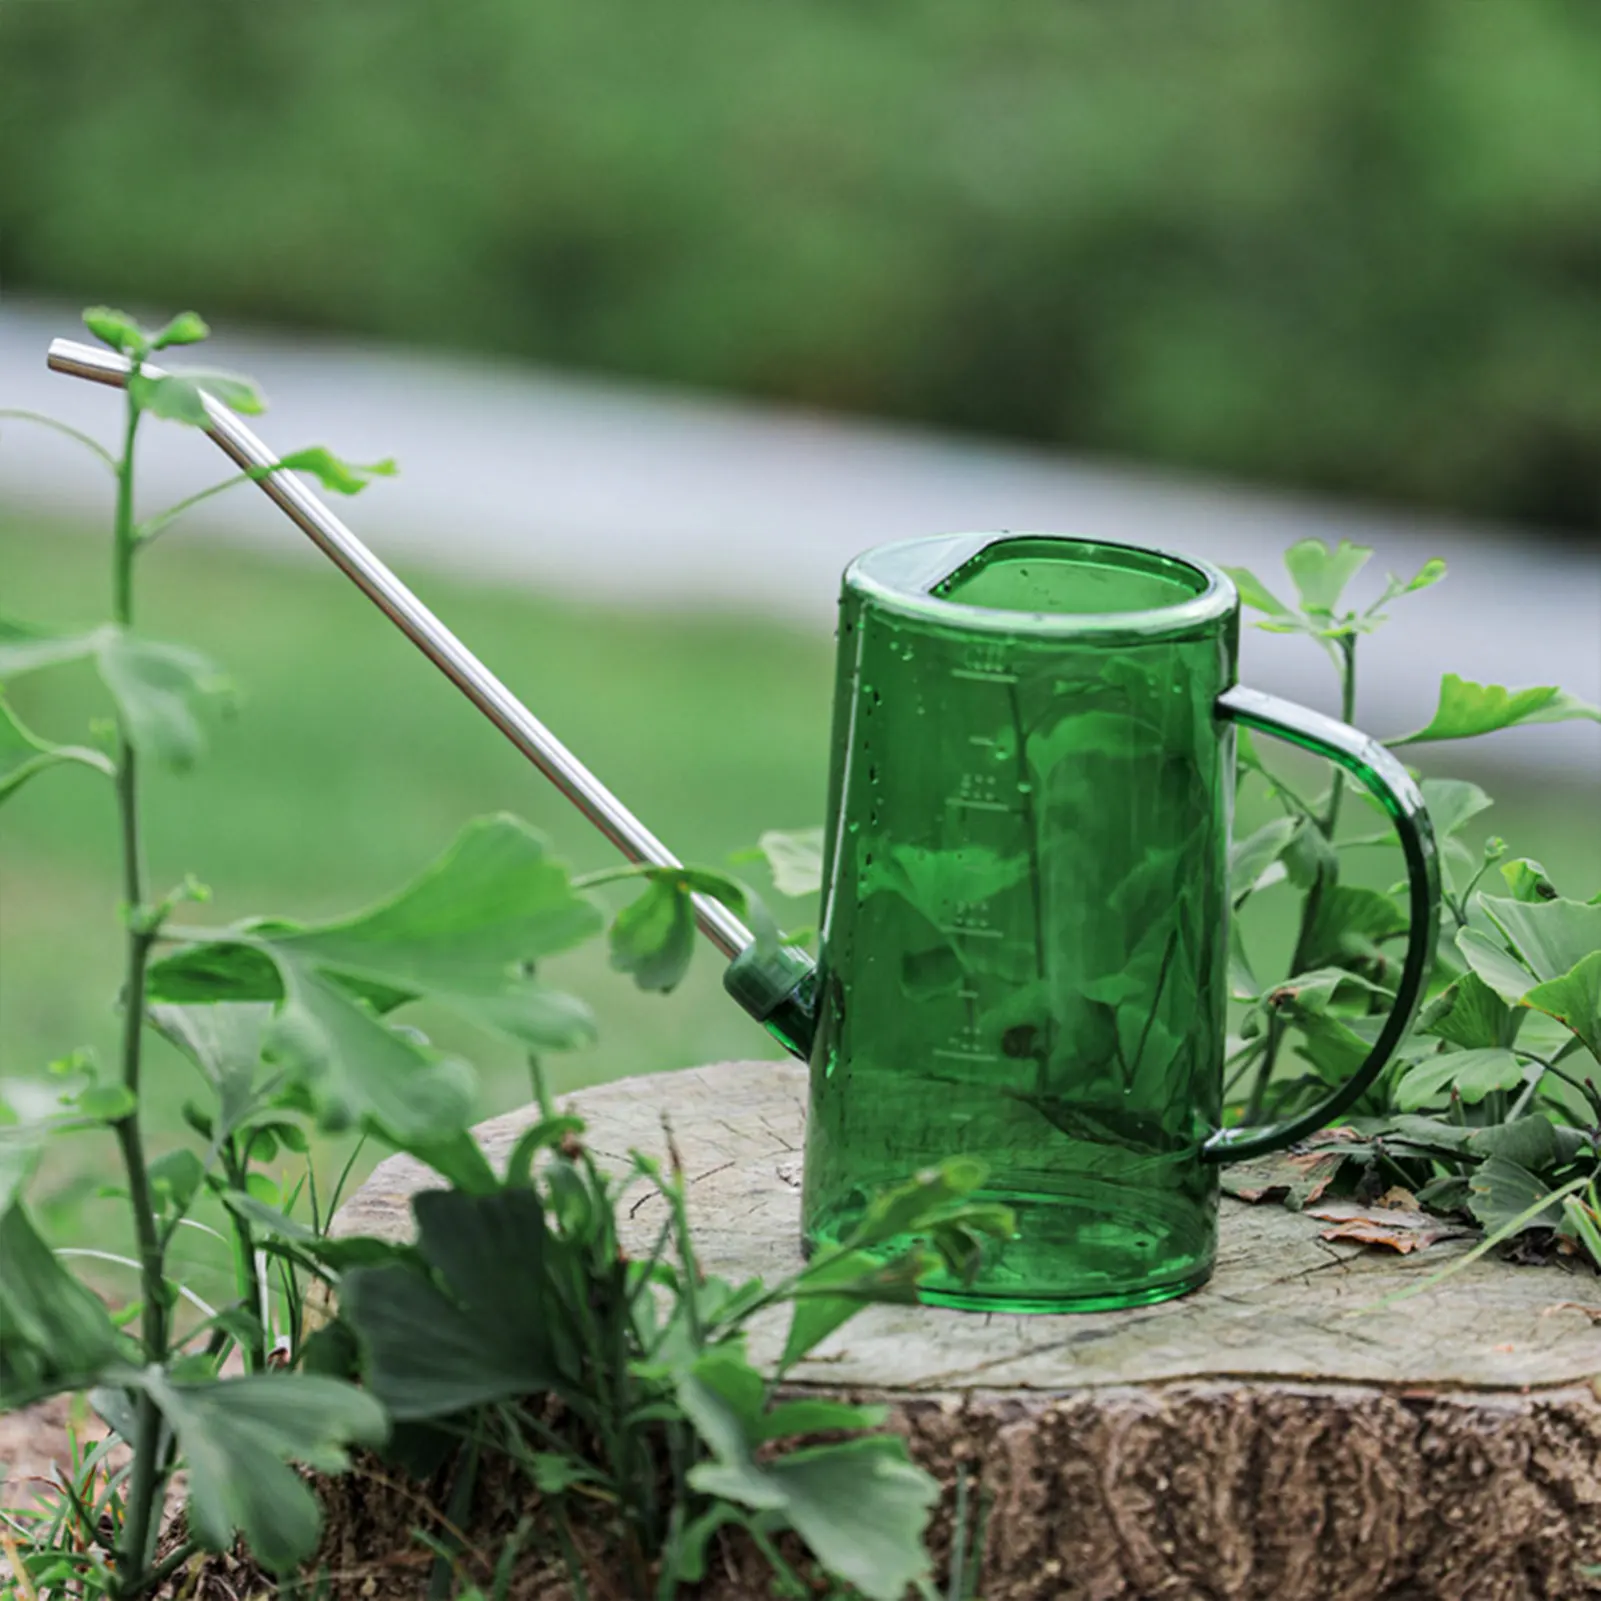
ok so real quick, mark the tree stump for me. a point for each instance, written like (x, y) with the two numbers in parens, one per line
(1266, 1438)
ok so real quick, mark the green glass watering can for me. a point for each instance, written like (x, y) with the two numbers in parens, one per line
(1025, 920)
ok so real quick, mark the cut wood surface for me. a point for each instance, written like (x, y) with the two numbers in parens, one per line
(1273, 1435)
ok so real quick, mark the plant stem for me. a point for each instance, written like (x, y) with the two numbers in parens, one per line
(130, 1140)
(1264, 1073)
(153, 526)
(62, 428)
(124, 535)
(541, 1087)
(1313, 904)
(1347, 665)
(165, 1568)
(247, 1263)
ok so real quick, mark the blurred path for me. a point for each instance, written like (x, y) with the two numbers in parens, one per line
(623, 493)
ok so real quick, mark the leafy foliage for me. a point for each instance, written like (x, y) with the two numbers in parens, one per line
(1510, 1042)
(1320, 576)
(860, 1504)
(466, 934)
(342, 477)
(796, 860)
(238, 1437)
(521, 1298)
(516, 1294)
(652, 939)
(54, 1333)
(1467, 709)
(157, 688)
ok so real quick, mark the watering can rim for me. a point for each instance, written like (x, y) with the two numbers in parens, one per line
(901, 577)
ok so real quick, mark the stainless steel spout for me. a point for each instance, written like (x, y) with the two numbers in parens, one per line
(426, 632)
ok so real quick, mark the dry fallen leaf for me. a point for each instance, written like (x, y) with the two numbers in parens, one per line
(1395, 1228)
(1298, 1177)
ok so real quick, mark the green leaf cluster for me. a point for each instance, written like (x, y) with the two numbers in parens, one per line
(653, 938)
(466, 934)
(1320, 577)
(521, 1297)
(1509, 1045)
(516, 1293)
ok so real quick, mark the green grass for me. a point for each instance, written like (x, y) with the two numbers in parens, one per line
(351, 762)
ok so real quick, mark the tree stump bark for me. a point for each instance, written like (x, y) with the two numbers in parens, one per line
(1267, 1438)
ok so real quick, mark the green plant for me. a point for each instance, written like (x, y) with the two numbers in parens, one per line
(518, 1327)
(56, 1544)
(1491, 1102)
(161, 1388)
(290, 1026)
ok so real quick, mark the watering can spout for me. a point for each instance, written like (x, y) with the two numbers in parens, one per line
(776, 986)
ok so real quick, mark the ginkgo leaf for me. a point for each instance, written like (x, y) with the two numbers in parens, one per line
(333, 472)
(1467, 709)
(939, 883)
(653, 937)
(1256, 594)
(1250, 857)
(1453, 803)
(157, 687)
(861, 1505)
(465, 934)
(1431, 572)
(117, 329)
(1574, 999)
(238, 1437)
(25, 649)
(187, 328)
(180, 397)
(796, 860)
(54, 1333)
(1321, 574)
(1550, 937)
(1473, 1074)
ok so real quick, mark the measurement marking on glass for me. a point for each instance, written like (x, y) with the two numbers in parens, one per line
(965, 1056)
(965, 804)
(983, 740)
(983, 678)
(958, 931)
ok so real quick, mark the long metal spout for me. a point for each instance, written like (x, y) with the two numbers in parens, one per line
(427, 633)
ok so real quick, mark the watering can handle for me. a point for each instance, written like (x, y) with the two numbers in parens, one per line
(1388, 781)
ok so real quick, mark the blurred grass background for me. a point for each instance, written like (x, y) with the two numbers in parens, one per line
(1347, 245)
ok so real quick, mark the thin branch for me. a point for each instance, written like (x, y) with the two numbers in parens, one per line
(66, 430)
(1346, 661)
(148, 530)
(613, 875)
